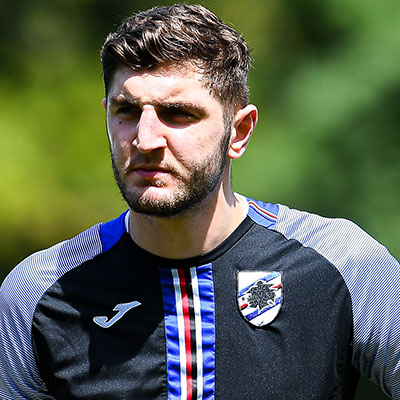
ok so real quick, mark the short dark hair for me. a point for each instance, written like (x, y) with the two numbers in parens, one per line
(179, 34)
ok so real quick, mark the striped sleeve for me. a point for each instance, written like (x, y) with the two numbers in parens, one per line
(372, 276)
(19, 295)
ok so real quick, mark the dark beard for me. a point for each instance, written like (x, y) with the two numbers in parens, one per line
(202, 181)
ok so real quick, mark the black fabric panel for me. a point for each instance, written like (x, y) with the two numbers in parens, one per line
(80, 360)
(305, 352)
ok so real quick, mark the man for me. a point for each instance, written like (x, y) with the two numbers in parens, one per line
(196, 292)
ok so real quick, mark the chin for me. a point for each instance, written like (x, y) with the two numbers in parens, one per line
(172, 205)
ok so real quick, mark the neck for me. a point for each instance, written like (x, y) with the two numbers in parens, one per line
(194, 233)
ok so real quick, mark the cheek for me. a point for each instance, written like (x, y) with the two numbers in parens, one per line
(121, 156)
(119, 138)
(194, 148)
(209, 144)
(122, 150)
(186, 150)
(121, 147)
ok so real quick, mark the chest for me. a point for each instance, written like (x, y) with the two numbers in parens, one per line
(119, 329)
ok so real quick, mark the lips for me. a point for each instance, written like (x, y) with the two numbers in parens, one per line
(150, 171)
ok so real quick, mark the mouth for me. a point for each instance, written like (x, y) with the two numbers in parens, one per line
(150, 172)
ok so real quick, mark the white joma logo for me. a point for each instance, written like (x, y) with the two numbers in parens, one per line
(122, 309)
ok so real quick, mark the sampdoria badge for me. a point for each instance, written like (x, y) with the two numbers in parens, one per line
(259, 296)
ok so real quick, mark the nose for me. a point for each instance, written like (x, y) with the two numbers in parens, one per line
(150, 131)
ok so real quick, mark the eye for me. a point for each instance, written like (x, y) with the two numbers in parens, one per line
(128, 112)
(177, 115)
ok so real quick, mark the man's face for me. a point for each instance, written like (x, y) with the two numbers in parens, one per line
(168, 139)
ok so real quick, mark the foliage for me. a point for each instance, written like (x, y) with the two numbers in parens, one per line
(325, 78)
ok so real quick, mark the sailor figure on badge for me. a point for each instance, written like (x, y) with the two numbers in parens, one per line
(259, 296)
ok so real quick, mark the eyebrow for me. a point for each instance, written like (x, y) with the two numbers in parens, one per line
(122, 100)
(195, 108)
(117, 101)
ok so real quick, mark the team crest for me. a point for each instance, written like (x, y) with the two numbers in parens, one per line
(259, 296)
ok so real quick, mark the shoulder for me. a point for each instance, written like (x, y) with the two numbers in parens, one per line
(41, 269)
(339, 240)
(331, 237)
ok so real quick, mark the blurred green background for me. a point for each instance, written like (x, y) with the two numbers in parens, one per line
(325, 78)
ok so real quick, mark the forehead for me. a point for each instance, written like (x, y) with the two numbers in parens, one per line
(164, 83)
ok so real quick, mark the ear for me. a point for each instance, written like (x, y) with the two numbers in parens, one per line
(245, 121)
(104, 102)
